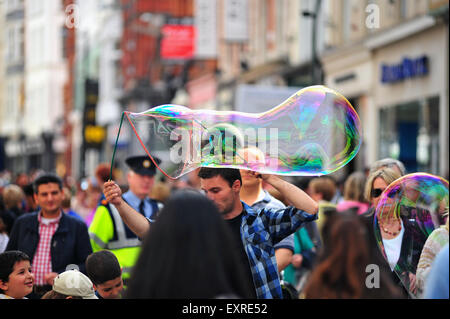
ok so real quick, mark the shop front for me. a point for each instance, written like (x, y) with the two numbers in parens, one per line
(27, 154)
(411, 98)
(399, 87)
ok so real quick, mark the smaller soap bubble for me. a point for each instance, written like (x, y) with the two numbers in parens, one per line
(411, 209)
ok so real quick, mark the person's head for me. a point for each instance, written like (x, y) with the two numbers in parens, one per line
(102, 172)
(22, 179)
(255, 159)
(13, 196)
(16, 278)
(250, 180)
(72, 284)
(322, 189)
(197, 260)
(377, 182)
(141, 176)
(67, 199)
(48, 193)
(388, 163)
(103, 268)
(222, 186)
(160, 191)
(29, 197)
(341, 269)
(56, 295)
(94, 193)
(354, 187)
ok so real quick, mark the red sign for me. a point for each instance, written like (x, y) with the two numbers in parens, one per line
(178, 41)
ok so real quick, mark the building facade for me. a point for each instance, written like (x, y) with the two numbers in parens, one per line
(391, 61)
(2, 87)
(45, 75)
(13, 107)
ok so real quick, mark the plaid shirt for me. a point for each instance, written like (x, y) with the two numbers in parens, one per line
(260, 230)
(42, 261)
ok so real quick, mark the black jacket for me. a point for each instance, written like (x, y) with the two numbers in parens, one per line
(69, 245)
(413, 241)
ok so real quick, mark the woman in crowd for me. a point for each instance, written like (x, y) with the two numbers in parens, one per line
(341, 272)
(188, 253)
(354, 193)
(399, 240)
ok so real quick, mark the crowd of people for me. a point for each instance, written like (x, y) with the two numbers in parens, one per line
(214, 233)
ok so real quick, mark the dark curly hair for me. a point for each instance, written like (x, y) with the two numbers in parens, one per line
(188, 253)
(7, 261)
(228, 174)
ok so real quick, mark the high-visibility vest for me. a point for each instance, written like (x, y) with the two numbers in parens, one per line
(108, 231)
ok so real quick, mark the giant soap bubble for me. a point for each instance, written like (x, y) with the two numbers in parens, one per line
(314, 132)
(410, 210)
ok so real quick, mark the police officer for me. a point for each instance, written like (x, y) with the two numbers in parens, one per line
(108, 231)
(141, 180)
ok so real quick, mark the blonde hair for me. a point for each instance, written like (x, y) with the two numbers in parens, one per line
(12, 196)
(354, 187)
(387, 174)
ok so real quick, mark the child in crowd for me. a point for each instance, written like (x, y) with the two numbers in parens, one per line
(16, 279)
(104, 270)
(71, 284)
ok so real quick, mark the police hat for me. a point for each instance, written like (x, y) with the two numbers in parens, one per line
(142, 165)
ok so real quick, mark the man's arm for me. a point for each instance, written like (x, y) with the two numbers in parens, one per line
(284, 250)
(135, 221)
(293, 194)
(283, 257)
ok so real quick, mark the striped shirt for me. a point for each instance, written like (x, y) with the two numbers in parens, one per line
(42, 261)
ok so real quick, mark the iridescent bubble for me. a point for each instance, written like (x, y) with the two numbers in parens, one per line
(411, 210)
(314, 132)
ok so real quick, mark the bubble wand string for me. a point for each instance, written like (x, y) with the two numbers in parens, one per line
(115, 146)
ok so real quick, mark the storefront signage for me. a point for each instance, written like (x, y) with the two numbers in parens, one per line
(178, 42)
(33, 146)
(407, 69)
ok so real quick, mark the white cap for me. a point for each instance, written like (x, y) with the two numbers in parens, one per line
(74, 283)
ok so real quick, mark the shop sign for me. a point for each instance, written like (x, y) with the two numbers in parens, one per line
(34, 146)
(178, 42)
(407, 69)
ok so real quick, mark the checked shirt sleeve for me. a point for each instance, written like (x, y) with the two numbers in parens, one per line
(280, 223)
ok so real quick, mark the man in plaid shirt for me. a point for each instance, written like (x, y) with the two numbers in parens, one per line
(52, 239)
(257, 231)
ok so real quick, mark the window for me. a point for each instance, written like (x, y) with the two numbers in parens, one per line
(14, 43)
(10, 99)
(12, 5)
(10, 38)
(410, 133)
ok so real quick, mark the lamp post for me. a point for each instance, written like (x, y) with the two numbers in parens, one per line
(316, 74)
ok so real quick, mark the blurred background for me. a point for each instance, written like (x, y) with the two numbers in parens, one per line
(68, 69)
